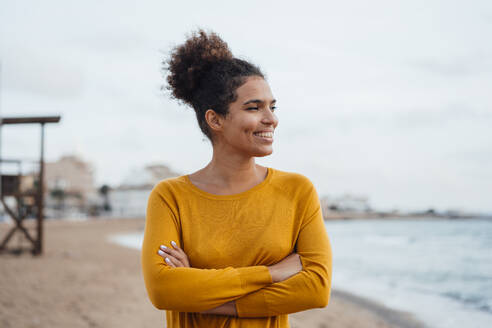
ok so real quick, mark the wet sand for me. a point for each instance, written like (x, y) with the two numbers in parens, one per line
(83, 280)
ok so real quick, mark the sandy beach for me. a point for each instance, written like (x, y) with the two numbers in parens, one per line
(83, 280)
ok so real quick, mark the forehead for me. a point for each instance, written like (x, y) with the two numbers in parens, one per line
(255, 87)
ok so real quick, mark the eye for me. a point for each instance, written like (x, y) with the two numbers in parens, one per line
(252, 108)
(273, 108)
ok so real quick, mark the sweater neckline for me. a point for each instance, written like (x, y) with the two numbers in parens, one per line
(232, 196)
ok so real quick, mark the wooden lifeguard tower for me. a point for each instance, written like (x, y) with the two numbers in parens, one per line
(28, 202)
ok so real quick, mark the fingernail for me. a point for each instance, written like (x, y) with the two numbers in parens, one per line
(168, 260)
(173, 243)
(160, 252)
(163, 247)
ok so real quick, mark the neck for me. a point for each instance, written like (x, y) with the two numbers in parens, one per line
(232, 169)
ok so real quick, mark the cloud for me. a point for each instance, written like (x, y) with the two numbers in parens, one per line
(372, 102)
(438, 118)
(110, 41)
(41, 72)
(454, 67)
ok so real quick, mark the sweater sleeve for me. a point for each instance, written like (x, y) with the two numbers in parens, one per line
(188, 289)
(309, 288)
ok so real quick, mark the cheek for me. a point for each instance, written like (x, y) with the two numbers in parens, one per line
(248, 131)
(243, 126)
(250, 126)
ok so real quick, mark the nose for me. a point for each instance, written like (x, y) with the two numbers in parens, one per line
(269, 118)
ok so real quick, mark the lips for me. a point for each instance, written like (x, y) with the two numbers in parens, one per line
(264, 134)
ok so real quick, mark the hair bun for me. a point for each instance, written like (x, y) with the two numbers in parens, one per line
(190, 61)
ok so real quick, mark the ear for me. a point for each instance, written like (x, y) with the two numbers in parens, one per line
(214, 120)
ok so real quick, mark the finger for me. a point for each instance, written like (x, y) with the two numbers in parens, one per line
(177, 248)
(169, 259)
(180, 255)
(169, 262)
(173, 262)
(166, 258)
(184, 257)
(162, 254)
(175, 245)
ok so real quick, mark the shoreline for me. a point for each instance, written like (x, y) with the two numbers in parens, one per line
(341, 216)
(393, 317)
(83, 279)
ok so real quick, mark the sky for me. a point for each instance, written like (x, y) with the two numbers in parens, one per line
(390, 100)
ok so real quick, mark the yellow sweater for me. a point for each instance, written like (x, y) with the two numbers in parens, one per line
(230, 240)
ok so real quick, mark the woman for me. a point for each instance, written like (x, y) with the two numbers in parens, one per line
(235, 244)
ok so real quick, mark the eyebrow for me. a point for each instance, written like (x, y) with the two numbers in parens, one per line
(258, 101)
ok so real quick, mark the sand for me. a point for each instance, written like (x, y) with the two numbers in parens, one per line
(83, 280)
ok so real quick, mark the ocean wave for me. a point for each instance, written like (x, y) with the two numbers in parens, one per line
(476, 301)
(389, 240)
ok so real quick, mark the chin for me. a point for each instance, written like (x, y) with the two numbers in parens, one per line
(263, 153)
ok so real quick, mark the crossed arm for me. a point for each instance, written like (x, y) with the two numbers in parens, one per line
(308, 289)
(245, 292)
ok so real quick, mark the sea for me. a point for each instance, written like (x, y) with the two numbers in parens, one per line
(440, 270)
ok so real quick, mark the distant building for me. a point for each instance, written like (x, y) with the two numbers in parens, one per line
(70, 173)
(130, 198)
(69, 186)
(345, 203)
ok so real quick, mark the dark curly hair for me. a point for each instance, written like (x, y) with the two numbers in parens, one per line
(203, 73)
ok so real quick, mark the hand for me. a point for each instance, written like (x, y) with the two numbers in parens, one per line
(174, 257)
(286, 268)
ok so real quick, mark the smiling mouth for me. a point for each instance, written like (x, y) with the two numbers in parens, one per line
(266, 136)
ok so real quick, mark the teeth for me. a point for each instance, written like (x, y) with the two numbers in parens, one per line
(264, 134)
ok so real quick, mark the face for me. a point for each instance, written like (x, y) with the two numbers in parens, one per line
(249, 126)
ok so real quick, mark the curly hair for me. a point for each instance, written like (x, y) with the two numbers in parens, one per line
(204, 74)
